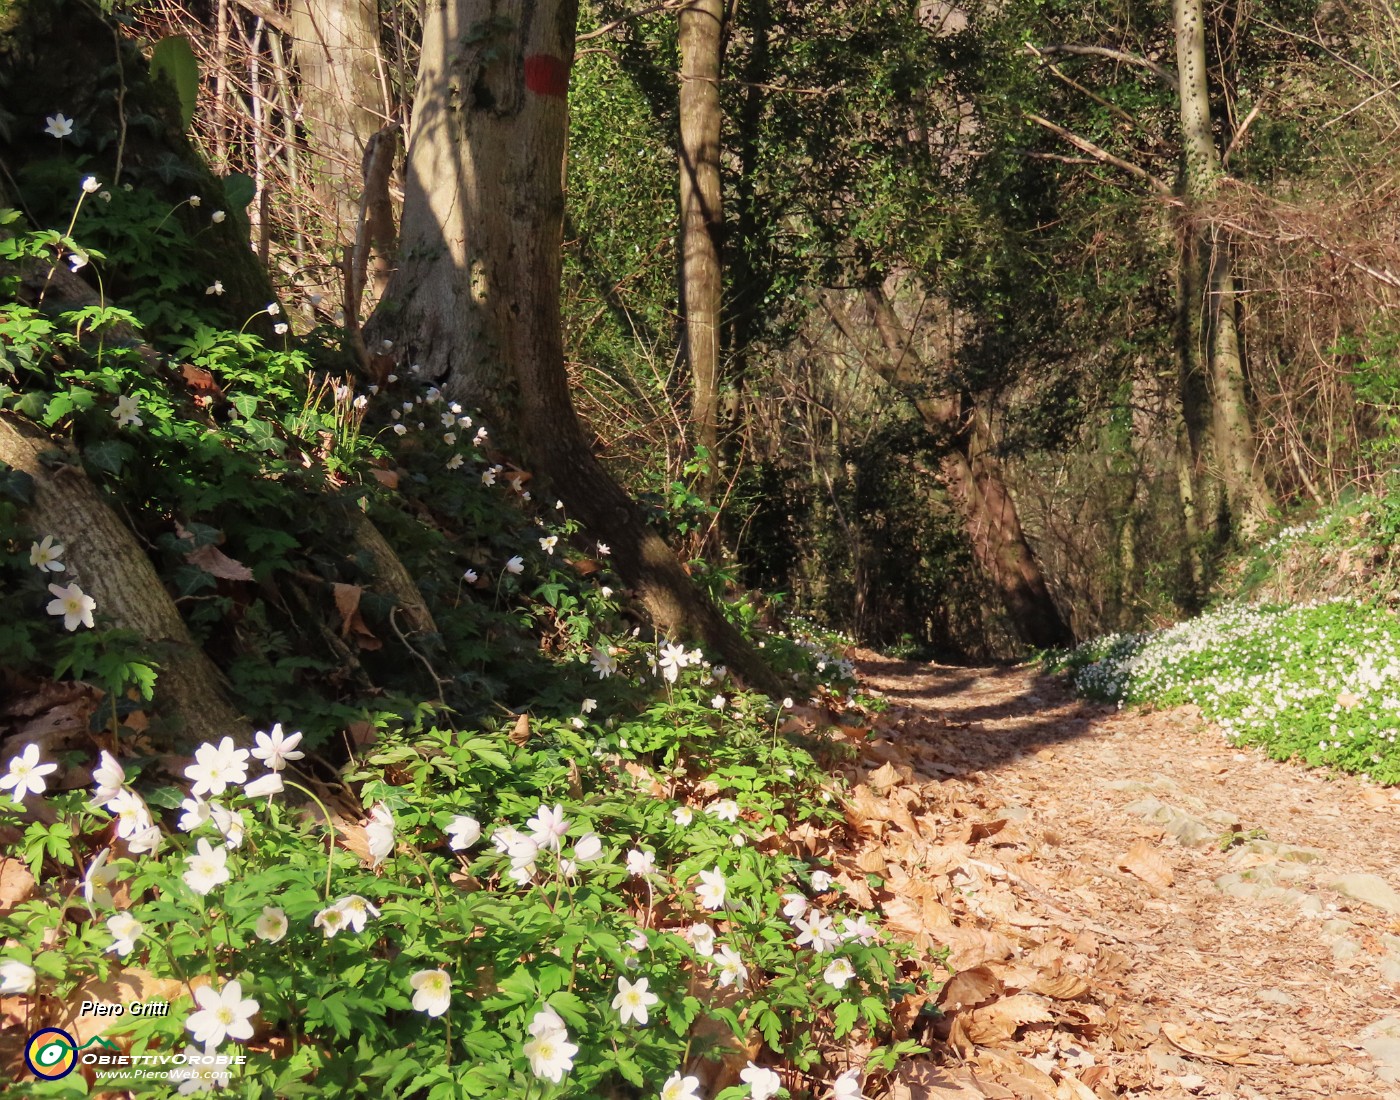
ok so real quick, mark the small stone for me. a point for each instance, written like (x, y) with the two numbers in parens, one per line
(1371, 889)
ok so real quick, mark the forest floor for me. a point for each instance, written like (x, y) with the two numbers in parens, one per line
(1135, 907)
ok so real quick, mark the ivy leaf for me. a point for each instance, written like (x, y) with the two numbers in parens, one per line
(173, 58)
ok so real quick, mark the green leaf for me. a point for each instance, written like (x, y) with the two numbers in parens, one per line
(173, 58)
(846, 1014)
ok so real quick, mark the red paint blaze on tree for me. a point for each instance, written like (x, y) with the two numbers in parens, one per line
(547, 75)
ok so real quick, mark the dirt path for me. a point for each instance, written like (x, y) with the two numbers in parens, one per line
(1070, 856)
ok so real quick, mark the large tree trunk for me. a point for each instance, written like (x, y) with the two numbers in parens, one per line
(336, 51)
(476, 300)
(112, 568)
(701, 24)
(973, 477)
(1232, 435)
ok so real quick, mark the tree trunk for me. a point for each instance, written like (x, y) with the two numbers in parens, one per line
(974, 479)
(701, 24)
(1233, 437)
(337, 43)
(476, 299)
(112, 568)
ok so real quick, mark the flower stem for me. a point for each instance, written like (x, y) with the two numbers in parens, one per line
(330, 826)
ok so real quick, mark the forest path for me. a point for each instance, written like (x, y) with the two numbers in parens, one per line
(1070, 855)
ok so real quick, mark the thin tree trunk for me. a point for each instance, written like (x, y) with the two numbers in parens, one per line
(476, 298)
(1233, 437)
(337, 43)
(1187, 412)
(701, 24)
(112, 568)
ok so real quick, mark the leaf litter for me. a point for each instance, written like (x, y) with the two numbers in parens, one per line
(1091, 946)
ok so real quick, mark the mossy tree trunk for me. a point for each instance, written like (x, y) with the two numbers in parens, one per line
(701, 27)
(111, 566)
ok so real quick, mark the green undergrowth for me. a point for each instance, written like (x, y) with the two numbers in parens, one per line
(1303, 660)
(536, 852)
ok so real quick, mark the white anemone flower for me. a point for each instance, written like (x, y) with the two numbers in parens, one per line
(712, 889)
(16, 977)
(276, 749)
(58, 126)
(463, 832)
(126, 930)
(702, 938)
(633, 1001)
(265, 786)
(109, 776)
(730, 967)
(223, 1015)
(815, 929)
(196, 813)
(602, 662)
(847, 1086)
(75, 605)
(356, 910)
(26, 775)
(127, 411)
(839, 973)
(272, 925)
(588, 848)
(548, 826)
(47, 555)
(671, 660)
(207, 868)
(96, 882)
(131, 813)
(550, 1054)
(216, 768)
(681, 1088)
(379, 833)
(763, 1082)
(432, 991)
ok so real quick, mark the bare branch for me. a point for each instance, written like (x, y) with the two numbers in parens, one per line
(1161, 72)
(608, 28)
(268, 14)
(1112, 108)
(1084, 145)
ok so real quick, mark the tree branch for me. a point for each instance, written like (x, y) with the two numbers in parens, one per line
(1165, 75)
(1084, 145)
(608, 28)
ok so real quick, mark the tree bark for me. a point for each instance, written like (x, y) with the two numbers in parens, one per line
(1232, 434)
(111, 566)
(337, 44)
(974, 479)
(476, 298)
(701, 25)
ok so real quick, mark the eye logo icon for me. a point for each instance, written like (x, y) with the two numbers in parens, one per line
(51, 1053)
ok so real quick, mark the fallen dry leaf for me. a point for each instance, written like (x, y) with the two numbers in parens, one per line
(218, 564)
(1204, 1044)
(970, 988)
(999, 1021)
(1146, 862)
(16, 883)
(521, 733)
